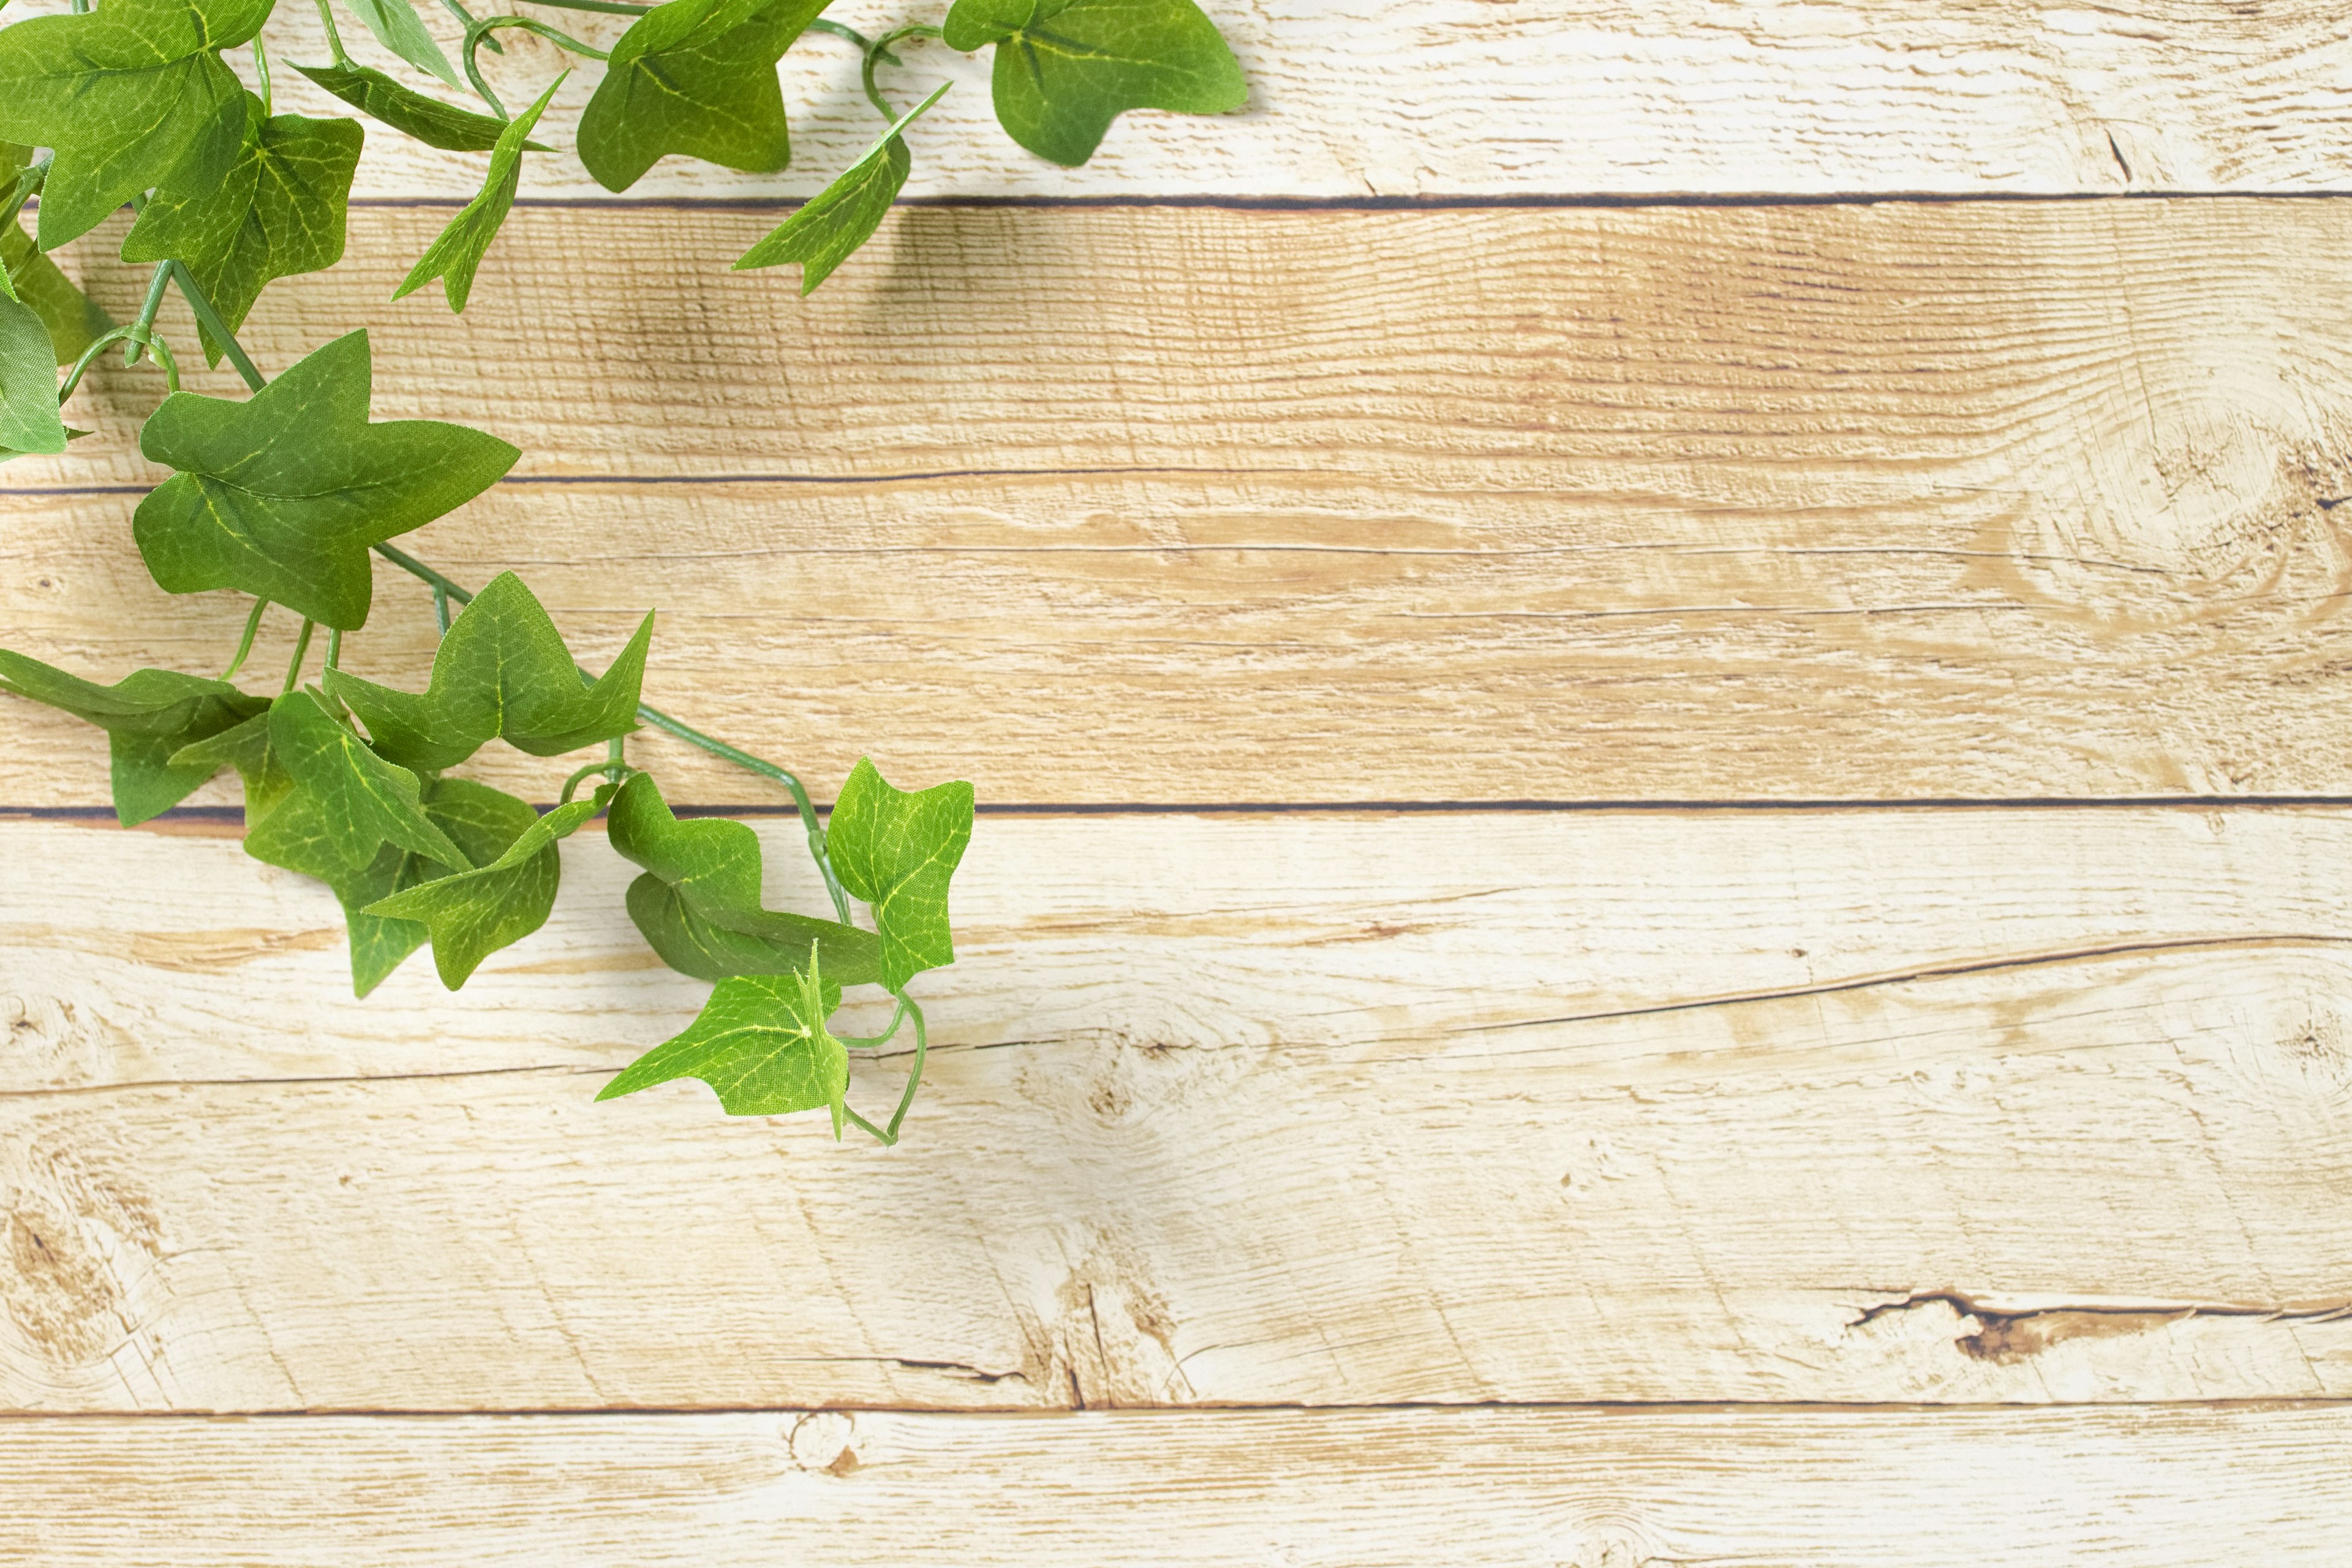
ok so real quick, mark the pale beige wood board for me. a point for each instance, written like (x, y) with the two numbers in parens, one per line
(2169, 1488)
(1800, 504)
(1820, 1107)
(1447, 97)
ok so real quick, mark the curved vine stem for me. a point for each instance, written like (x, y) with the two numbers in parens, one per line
(907, 1009)
(879, 50)
(245, 643)
(465, 18)
(334, 38)
(144, 327)
(445, 590)
(839, 30)
(301, 652)
(478, 31)
(88, 356)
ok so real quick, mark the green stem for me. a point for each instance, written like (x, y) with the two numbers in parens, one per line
(580, 776)
(245, 643)
(915, 1073)
(868, 1042)
(89, 354)
(209, 320)
(301, 652)
(457, 8)
(888, 1136)
(605, 7)
(827, 24)
(879, 50)
(489, 24)
(144, 327)
(444, 588)
(814, 834)
(261, 69)
(334, 38)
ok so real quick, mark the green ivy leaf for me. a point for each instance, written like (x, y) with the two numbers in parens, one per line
(1066, 68)
(32, 278)
(843, 216)
(482, 821)
(129, 95)
(74, 322)
(282, 495)
(698, 903)
(279, 212)
(246, 747)
(430, 121)
(474, 913)
(502, 671)
(696, 78)
(29, 421)
(361, 800)
(398, 27)
(149, 716)
(760, 1042)
(897, 851)
(455, 255)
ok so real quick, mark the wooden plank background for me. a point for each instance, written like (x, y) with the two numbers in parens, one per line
(1715, 824)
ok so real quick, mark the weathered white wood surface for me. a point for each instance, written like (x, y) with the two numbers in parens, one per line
(2017, 1107)
(2171, 1488)
(1923, 501)
(1543, 98)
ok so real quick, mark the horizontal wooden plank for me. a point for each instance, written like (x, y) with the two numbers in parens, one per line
(1797, 504)
(1979, 1488)
(1933, 1106)
(1355, 98)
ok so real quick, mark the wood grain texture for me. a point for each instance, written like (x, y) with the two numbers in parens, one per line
(1936, 1106)
(1641, 97)
(2178, 1488)
(1799, 503)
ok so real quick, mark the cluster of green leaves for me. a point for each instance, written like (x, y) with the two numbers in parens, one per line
(291, 495)
(281, 496)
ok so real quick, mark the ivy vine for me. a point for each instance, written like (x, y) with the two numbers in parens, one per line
(290, 494)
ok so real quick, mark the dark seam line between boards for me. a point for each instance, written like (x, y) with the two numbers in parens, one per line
(2085, 1410)
(1397, 808)
(1374, 204)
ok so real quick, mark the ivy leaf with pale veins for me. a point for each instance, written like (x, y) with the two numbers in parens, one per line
(457, 252)
(482, 821)
(843, 216)
(474, 913)
(243, 746)
(149, 716)
(398, 27)
(1066, 68)
(283, 494)
(502, 671)
(26, 275)
(361, 800)
(29, 421)
(279, 212)
(699, 904)
(73, 320)
(897, 851)
(430, 121)
(760, 1042)
(129, 96)
(696, 78)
